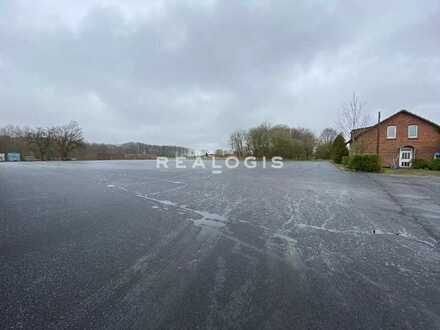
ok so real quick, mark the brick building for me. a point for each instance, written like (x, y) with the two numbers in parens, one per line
(403, 137)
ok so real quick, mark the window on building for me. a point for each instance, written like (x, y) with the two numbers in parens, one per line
(413, 131)
(391, 132)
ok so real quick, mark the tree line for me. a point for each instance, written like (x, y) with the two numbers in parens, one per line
(269, 141)
(67, 142)
(44, 143)
(130, 150)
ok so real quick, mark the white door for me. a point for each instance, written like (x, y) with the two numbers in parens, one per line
(406, 157)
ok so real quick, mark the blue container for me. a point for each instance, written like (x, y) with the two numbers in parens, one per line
(13, 157)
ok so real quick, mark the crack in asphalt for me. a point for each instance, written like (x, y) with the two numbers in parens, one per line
(404, 211)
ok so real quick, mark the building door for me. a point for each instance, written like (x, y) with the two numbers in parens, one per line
(406, 157)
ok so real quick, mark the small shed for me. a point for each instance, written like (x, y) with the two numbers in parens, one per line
(14, 157)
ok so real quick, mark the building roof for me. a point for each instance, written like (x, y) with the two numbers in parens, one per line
(359, 131)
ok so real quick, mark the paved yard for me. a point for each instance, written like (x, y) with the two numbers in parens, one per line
(126, 245)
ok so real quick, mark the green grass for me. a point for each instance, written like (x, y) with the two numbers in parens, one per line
(396, 171)
(399, 171)
(410, 171)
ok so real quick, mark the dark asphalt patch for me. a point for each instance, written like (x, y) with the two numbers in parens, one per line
(125, 245)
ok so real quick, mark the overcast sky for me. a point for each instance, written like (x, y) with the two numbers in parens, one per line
(190, 72)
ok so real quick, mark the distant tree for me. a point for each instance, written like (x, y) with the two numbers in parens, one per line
(238, 143)
(63, 142)
(13, 131)
(269, 141)
(307, 139)
(323, 151)
(13, 139)
(68, 138)
(281, 143)
(43, 139)
(339, 149)
(328, 135)
(259, 141)
(324, 146)
(352, 115)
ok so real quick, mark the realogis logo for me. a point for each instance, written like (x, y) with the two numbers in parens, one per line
(218, 165)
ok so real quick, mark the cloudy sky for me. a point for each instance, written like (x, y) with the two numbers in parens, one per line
(189, 72)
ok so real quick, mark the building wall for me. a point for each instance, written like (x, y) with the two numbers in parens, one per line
(427, 143)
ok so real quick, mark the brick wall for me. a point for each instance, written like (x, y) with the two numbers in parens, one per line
(427, 143)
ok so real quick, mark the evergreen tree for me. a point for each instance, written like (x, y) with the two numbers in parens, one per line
(339, 149)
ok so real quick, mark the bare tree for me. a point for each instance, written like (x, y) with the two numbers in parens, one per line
(237, 140)
(327, 136)
(13, 139)
(325, 142)
(68, 138)
(13, 132)
(352, 115)
(43, 139)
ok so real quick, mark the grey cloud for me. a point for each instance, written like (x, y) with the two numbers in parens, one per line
(189, 72)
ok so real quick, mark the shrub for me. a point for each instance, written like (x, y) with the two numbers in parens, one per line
(435, 165)
(346, 161)
(339, 149)
(365, 163)
(421, 164)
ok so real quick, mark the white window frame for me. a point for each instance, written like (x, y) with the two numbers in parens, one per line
(406, 157)
(389, 136)
(409, 131)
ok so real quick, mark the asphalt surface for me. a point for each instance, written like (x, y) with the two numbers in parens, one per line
(121, 244)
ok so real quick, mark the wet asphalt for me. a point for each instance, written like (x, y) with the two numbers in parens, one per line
(123, 245)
